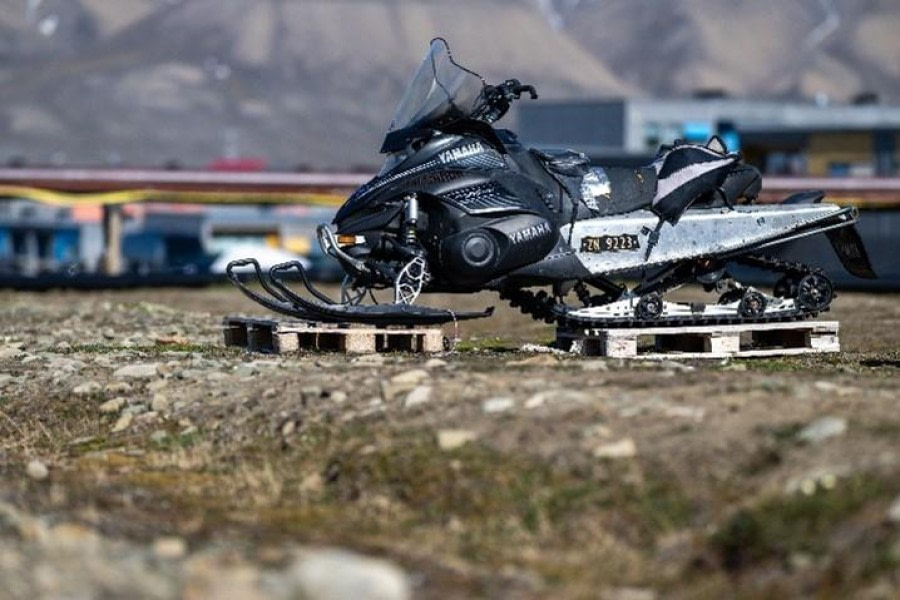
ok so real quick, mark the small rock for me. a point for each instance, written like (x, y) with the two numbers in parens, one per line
(63, 347)
(413, 377)
(112, 406)
(624, 448)
(556, 397)
(156, 385)
(135, 409)
(435, 363)
(14, 351)
(169, 548)
(312, 484)
(598, 430)
(693, 413)
(172, 340)
(146, 418)
(801, 561)
(123, 423)
(117, 388)
(736, 367)
(370, 359)
(338, 397)
(541, 360)
(419, 395)
(594, 365)
(37, 470)
(536, 401)
(893, 513)
(538, 349)
(288, 428)
(270, 393)
(159, 436)
(87, 388)
(159, 403)
(450, 439)
(343, 575)
(822, 429)
(497, 405)
(673, 365)
(833, 388)
(137, 371)
(310, 393)
(629, 593)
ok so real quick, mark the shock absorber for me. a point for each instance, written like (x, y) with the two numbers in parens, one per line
(411, 219)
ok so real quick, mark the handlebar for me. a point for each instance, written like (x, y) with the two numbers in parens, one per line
(498, 98)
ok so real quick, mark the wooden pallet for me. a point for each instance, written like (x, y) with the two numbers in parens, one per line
(278, 337)
(711, 341)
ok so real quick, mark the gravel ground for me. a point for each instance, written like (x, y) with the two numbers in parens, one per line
(141, 458)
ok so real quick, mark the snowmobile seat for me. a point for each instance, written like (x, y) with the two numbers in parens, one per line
(810, 197)
(567, 163)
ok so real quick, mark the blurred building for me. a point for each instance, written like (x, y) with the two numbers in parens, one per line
(41, 240)
(785, 138)
(37, 239)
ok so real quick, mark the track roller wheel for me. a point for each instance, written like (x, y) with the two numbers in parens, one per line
(752, 305)
(649, 307)
(814, 292)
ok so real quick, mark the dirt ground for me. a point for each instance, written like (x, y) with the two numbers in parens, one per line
(140, 458)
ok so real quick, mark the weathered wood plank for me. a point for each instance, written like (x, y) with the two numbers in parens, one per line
(268, 335)
(705, 341)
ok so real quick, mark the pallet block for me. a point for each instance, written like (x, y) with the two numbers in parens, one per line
(704, 341)
(278, 337)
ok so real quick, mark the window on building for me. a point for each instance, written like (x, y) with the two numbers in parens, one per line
(651, 135)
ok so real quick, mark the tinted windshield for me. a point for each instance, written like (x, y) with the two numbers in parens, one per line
(441, 91)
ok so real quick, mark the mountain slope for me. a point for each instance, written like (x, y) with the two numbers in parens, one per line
(839, 48)
(309, 83)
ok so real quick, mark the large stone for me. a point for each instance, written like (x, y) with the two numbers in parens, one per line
(342, 575)
(137, 371)
(822, 429)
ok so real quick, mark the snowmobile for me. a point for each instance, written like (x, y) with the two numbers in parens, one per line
(462, 206)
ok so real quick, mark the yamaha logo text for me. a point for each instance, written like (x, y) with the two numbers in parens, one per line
(530, 233)
(461, 152)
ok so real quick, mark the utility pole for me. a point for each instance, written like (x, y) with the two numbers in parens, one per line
(112, 239)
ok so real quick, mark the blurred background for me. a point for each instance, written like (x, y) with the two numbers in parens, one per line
(149, 141)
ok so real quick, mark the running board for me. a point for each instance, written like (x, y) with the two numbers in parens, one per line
(638, 240)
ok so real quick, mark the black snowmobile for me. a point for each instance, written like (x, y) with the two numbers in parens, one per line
(461, 206)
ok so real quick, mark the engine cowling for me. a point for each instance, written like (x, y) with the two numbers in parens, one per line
(487, 251)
